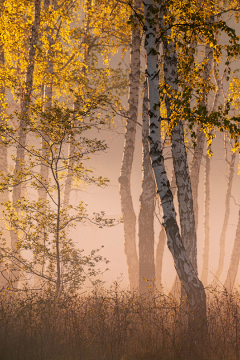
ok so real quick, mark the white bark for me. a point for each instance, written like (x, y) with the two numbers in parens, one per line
(187, 219)
(187, 274)
(147, 208)
(162, 241)
(129, 217)
(180, 163)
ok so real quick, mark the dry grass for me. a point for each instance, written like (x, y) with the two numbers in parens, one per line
(114, 325)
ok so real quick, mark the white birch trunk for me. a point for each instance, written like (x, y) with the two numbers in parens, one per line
(129, 217)
(162, 241)
(180, 163)
(25, 102)
(186, 212)
(147, 208)
(187, 274)
(195, 172)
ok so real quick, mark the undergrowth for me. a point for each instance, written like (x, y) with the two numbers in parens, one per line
(114, 325)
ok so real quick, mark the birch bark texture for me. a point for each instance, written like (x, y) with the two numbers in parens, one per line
(129, 217)
(162, 242)
(24, 104)
(187, 274)
(180, 161)
(147, 208)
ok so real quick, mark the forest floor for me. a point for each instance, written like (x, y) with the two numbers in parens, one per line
(115, 325)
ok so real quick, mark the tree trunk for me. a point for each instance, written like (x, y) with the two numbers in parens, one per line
(44, 170)
(197, 156)
(129, 217)
(180, 163)
(162, 241)
(226, 218)
(4, 195)
(24, 103)
(185, 201)
(198, 150)
(76, 105)
(185, 270)
(195, 170)
(234, 262)
(147, 207)
(68, 181)
(204, 276)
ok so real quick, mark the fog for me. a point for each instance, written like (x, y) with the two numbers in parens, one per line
(108, 163)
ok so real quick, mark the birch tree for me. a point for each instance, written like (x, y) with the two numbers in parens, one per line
(44, 170)
(44, 58)
(235, 255)
(185, 270)
(129, 217)
(200, 89)
(162, 240)
(25, 98)
(230, 174)
(200, 140)
(180, 161)
(55, 262)
(206, 246)
(204, 276)
(147, 208)
(197, 153)
(4, 163)
(4, 195)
